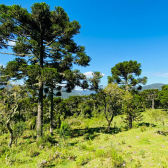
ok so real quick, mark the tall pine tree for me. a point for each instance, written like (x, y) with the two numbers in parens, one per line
(36, 35)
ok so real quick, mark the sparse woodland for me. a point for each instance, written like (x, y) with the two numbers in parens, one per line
(118, 126)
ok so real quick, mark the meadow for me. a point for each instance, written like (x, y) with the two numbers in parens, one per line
(85, 142)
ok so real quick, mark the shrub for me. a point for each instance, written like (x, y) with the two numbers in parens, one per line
(117, 160)
(65, 130)
(3, 150)
(18, 130)
(101, 153)
(74, 122)
(89, 136)
(34, 153)
(46, 140)
(143, 128)
(82, 160)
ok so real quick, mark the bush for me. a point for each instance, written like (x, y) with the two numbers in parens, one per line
(32, 124)
(18, 130)
(65, 130)
(82, 160)
(117, 160)
(74, 122)
(46, 140)
(3, 150)
(34, 153)
(143, 128)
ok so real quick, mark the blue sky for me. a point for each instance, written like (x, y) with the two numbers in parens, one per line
(114, 31)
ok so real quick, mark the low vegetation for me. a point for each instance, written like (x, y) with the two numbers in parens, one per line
(86, 142)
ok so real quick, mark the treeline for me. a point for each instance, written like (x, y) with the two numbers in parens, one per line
(45, 54)
(19, 111)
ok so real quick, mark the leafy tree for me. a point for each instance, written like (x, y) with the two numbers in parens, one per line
(3, 79)
(163, 96)
(125, 73)
(95, 81)
(9, 106)
(151, 94)
(111, 100)
(132, 107)
(38, 35)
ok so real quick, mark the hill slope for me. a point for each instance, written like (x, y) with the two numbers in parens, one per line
(153, 86)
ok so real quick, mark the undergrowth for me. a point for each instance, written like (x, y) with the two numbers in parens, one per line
(83, 142)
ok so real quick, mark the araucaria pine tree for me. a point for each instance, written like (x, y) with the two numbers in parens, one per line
(46, 37)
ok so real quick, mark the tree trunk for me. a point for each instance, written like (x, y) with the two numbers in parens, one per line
(40, 111)
(11, 134)
(153, 103)
(40, 95)
(130, 121)
(108, 128)
(59, 122)
(94, 107)
(51, 111)
(109, 123)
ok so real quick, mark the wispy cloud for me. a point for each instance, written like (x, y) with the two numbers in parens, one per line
(11, 43)
(161, 74)
(89, 74)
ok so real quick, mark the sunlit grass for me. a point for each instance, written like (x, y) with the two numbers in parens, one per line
(145, 145)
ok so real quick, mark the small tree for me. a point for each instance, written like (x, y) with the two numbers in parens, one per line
(111, 100)
(132, 106)
(151, 95)
(10, 107)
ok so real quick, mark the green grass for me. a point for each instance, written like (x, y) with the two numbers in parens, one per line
(145, 145)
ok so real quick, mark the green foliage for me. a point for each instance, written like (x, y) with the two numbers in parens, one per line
(34, 153)
(143, 128)
(47, 35)
(158, 115)
(19, 128)
(95, 80)
(74, 122)
(46, 141)
(163, 96)
(125, 73)
(150, 95)
(110, 100)
(132, 107)
(82, 160)
(65, 130)
(117, 160)
(3, 150)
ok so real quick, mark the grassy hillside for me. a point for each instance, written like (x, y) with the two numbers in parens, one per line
(90, 145)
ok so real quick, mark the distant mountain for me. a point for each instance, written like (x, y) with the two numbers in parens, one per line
(153, 86)
(66, 95)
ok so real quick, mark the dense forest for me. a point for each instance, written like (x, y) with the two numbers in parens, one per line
(34, 113)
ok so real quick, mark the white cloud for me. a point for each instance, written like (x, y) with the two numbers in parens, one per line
(89, 74)
(78, 88)
(2, 65)
(11, 43)
(161, 74)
